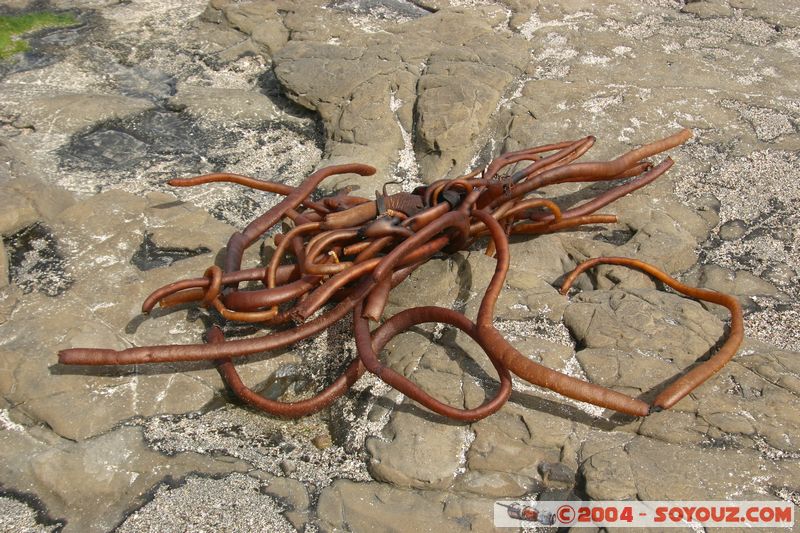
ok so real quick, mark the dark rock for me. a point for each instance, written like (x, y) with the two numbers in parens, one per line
(35, 261)
(557, 473)
(112, 149)
(165, 132)
(381, 9)
(150, 256)
(617, 237)
(121, 144)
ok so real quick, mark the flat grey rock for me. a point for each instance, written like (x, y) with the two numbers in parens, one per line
(93, 123)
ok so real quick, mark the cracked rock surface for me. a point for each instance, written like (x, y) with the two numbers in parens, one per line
(96, 118)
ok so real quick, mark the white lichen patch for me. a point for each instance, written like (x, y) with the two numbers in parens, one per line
(555, 48)
(9, 425)
(592, 59)
(622, 50)
(590, 409)
(535, 327)
(553, 61)
(407, 165)
(469, 438)
(599, 104)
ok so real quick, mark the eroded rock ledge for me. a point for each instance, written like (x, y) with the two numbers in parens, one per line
(147, 91)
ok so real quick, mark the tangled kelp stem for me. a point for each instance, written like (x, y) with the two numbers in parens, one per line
(350, 252)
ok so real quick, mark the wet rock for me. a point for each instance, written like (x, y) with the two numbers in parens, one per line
(223, 104)
(84, 317)
(123, 144)
(45, 46)
(380, 9)
(166, 145)
(73, 112)
(165, 133)
(141, 82)
(9, 296)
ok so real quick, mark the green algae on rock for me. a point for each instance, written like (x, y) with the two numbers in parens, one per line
(12, 26)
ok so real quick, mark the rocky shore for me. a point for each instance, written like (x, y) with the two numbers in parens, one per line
(96, 117)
